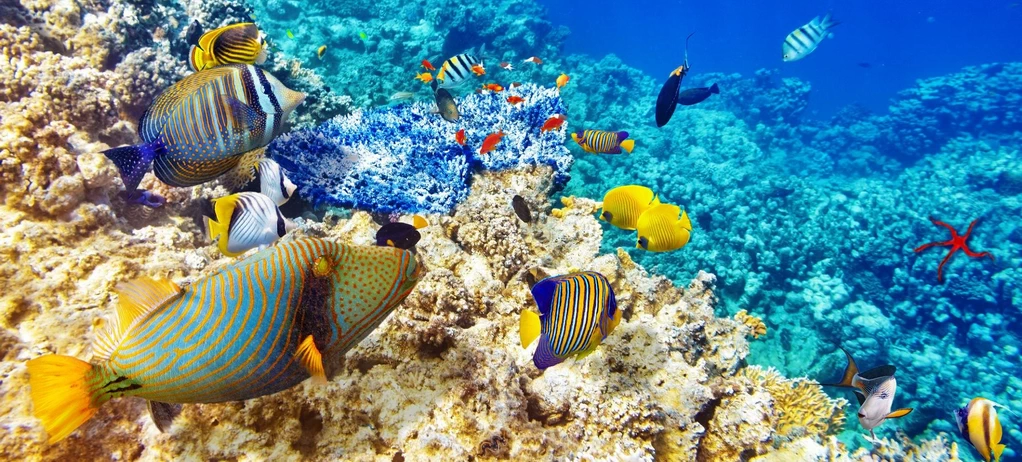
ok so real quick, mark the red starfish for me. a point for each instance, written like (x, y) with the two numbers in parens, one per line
(956, 242)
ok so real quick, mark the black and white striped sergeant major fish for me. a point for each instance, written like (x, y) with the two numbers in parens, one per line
(197, 129)
(256, 327)
(244, 221)
(805, 39)
(458, 69)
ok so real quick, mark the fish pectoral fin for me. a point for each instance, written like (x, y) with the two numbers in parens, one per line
(899, 413)
(594, 342)
(312, 360)
(163, 414)
(528, 327)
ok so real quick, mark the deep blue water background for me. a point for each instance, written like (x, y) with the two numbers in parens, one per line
(901, 40)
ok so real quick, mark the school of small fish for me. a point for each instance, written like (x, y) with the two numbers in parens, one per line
(199, 129)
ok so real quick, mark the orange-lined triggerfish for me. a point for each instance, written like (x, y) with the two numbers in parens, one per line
(259, 326)
(980, 426)
(875, 390)
(197, 129)
(576, 313)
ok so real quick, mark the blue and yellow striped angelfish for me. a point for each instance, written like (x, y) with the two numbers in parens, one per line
(456, 70)
(238, 43)
(257, 327)
(576, 312)
(805, 39)
(601, 142)
(197, 129)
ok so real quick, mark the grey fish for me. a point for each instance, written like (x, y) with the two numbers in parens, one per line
(874, 389)
(805, 39)
(446, 105)
(402, 96)
(521, 208)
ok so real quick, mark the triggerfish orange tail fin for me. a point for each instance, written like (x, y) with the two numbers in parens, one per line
(62, 396)
(134, 161)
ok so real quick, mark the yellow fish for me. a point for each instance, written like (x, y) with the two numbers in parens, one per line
(980, 426)
(419, 222)
(320, 51)
(660, 229)
(238, 43)
(289, 34)
(623, 205)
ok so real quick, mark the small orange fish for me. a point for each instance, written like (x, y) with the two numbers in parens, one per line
(493, 87)
(490, 143)
(428, 65)
(507, 66)
(460, 137)
(515, 99)
(553, 123)
(533, 59)
(425, 77)
(516, 84)
(562, 80)
(478, 69)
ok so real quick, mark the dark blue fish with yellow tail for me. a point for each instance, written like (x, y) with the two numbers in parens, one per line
(576, 313)
(257, 327)
(239, 43)
(244, 221)
(601, 142)
(667, 100)
(980, 426)
(197, 129)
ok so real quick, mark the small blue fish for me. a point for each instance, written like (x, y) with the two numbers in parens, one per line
(576, 312)
(144, 198)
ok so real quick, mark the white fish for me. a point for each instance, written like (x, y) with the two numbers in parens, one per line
(272, 181)
(243, 221)
(874, 390)
(805, 39)
(402, 96)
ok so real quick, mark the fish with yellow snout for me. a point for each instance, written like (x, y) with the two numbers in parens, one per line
(257, 327)
(660, 229)
(576, 313)
(874, 389)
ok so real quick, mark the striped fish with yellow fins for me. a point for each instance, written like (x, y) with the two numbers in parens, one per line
(601, 142)
(244, 221)
(623, 205)
(238, 43)
(456, 70)
(980, 426)
(197, 129)
(576, 312)
(257, 327)
(659, 229)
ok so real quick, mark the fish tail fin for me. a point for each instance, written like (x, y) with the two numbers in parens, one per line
(850, 371)
(528, 327)
(684, 222)
(628, 145)
(996, 451)
(655, 201)
(715, 89)
(133, 161)
(828, 22)
(62, 397)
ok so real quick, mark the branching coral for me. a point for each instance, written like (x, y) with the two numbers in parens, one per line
(755, 324)
(406, 159)
(800, 408)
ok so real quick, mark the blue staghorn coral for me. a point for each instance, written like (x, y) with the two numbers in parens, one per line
(405, 158)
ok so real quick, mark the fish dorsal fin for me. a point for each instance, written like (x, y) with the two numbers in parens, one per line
(543, 293)
(878, 372)
(136, 299)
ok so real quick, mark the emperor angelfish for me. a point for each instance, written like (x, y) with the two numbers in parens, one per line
(576, 313)
(254, 328)
(980, 426)
(197, 129)
(457, 70)
(239, 43)
(874, 389)
(244, 221)
(805, 39)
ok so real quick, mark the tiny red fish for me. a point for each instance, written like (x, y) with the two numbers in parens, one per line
(460, 137)
(428, 65)
(493, 87)
(516, 84)
(507, 66)
(515, 99)
(478, 69)
(553, 123)
(533, 59)
(490, 143)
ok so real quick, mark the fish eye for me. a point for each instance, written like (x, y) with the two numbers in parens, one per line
(862, 416)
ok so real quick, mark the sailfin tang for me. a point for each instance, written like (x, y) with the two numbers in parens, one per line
(134, 161)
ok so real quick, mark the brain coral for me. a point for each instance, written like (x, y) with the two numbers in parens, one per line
(405, 158)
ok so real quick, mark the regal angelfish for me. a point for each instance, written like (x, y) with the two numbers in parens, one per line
(197, 129)
(257, 327)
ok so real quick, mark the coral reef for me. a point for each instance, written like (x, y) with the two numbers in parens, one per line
(405, 158)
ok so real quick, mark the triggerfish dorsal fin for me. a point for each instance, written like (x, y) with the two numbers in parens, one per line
(136, 299)
(543, 293)
(312, 360)
(544, 356)
(529, 327)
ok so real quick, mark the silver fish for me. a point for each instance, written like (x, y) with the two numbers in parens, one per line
(874, 389)
(805, 39)
(402, 96)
